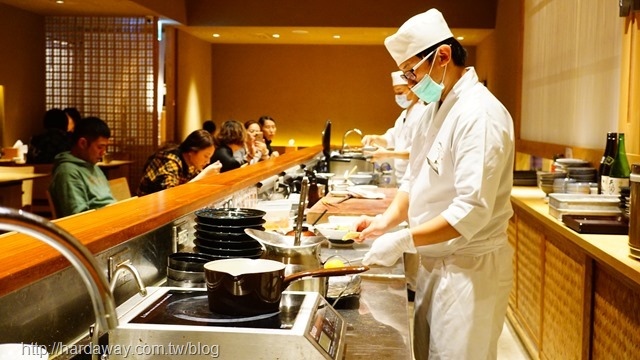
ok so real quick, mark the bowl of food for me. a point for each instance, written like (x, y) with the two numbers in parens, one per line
(338, 234)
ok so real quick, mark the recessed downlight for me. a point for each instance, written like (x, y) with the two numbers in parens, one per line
(275, 36)
(216, 35)
(460, 38)
(337, 36)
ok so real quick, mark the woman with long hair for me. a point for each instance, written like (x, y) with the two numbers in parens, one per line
(174, 165)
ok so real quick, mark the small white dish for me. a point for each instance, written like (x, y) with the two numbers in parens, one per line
(339, 193)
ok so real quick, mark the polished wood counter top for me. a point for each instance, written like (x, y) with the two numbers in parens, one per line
(609, 250)
(24, 260)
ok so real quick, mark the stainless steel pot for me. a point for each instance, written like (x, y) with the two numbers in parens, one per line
(303, 257)
(248, 287)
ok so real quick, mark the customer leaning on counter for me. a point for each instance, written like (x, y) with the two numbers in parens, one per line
(174, 165)
(77, 183)
(456, 198)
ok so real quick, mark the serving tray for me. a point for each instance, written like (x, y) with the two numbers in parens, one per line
(597, 224)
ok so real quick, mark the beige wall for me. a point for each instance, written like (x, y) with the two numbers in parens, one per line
(194, 88)
(21, 73)
(499, 57)
(301, 86)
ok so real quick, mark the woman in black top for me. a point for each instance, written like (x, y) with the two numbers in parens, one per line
(230, 138)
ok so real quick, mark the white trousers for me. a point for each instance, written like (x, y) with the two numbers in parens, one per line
(460, 305)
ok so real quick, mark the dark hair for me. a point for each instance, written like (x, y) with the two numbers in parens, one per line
(90, 128)
(210, 126)
(55, 119)
(458, 53)
(73, 113)
(231, 132)
(249, 123)
(197, 140)
(264, 118)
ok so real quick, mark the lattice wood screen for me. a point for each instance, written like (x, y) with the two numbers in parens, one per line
(107, 67)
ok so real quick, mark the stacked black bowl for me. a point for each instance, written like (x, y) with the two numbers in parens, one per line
(220, 232)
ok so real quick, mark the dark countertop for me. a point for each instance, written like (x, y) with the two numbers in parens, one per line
(377, 324)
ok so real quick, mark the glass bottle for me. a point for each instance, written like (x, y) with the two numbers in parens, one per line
(607, 159)
(620, 171)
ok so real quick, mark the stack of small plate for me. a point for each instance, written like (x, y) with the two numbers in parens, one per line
(220, 232)
(582, 174)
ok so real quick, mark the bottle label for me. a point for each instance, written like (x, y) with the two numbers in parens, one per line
(614, 185)
(604, 185)
(609, 160)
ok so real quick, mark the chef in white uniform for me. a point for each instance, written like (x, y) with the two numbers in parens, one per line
(456, 198)
(395, 143)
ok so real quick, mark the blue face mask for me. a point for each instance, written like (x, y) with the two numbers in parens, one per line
(428, 90)
(402, 101)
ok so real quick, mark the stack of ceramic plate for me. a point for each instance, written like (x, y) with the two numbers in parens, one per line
(625, 201)
(582, 174)
(220, 232)
(546, 180)
(563, 164)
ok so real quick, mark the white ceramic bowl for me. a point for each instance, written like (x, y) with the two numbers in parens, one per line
(333, 231)
(361, 179)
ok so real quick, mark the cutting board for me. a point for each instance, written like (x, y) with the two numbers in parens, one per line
(351, 207)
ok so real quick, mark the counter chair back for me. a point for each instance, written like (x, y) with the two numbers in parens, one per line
(120, 188)
(52, 207)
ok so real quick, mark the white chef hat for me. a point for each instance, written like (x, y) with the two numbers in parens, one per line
(396, 79)
(417, 34)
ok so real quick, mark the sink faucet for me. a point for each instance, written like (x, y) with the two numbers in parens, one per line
(121, 269)
(79, 256)
(347, 133)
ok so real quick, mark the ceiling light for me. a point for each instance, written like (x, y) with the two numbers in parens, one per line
(336, 36)
(460, 38)
(275, 36)
(216, 35)
(59, 1)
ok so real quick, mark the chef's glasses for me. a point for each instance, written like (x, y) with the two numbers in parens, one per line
(410, 75)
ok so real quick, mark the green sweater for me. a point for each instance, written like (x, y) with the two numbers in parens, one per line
(77, 185)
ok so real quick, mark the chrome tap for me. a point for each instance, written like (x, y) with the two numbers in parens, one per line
(121, 269)
(79, 256)
(347, 133)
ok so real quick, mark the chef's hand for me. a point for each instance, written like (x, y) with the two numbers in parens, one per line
(370, 140)
(388, 248)
(370, 227)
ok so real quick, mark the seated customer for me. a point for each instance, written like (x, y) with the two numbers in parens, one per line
(229, 140)
(44, 147)
(77, 183)
(255, 147)
(174, 165)
(268, 127)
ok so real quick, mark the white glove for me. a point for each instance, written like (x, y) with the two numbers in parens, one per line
(388, 248)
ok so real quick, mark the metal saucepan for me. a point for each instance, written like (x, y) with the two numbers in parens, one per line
(248, 287)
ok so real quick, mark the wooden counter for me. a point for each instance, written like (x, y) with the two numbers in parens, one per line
(575, 296)
(24, 260)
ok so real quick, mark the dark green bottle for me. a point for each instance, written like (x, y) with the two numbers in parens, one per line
(620, 171)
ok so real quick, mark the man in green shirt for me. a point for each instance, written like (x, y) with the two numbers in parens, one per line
(77, 183)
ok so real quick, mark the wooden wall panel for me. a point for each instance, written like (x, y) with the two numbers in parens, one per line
(562, 301)
(616, 319)
(529, 274)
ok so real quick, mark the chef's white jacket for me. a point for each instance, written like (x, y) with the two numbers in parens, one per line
(461, 166)
(399, 137)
